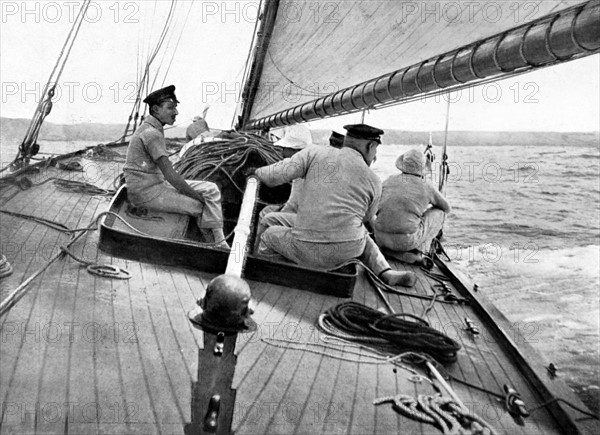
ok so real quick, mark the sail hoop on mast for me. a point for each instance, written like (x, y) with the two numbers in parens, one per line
(560, 36)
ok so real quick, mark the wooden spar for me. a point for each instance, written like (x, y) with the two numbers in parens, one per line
(562, 36)
(213, 399)
(237, 256)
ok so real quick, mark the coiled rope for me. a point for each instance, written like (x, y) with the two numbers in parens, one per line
(5, 267)
(390, 333)
(439, 411)
(98, 269)
(227, 156)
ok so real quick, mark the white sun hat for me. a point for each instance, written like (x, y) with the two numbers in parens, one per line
(296, 137)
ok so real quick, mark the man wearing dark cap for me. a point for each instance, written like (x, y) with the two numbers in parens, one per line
(152, 182)
(336, 140)
(340, 193)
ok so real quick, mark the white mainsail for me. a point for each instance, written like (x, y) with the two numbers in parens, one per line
(317, 48)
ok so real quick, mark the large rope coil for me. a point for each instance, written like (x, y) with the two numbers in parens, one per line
(228, 155)
(390, 333)
(227, 161)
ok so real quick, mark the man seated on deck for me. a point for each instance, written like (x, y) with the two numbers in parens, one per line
(152, 182)
(339, 194)
(411, 212)
(296, 137)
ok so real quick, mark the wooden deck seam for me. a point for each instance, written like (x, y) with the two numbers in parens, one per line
(32, 302)
(142, 365)
(197, 337)
(63, 265)
(173, 330)
(298, 361)
(175, 394)
(262, 345)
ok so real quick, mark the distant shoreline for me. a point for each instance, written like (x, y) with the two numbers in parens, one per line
(12, 130)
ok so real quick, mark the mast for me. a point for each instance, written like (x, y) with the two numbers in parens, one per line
(261, 48)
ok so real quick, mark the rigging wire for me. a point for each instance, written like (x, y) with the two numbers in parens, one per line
(76, 23)
(44, 106)
(444, 165)
(144, 82)
(174, 51)
(162, 39)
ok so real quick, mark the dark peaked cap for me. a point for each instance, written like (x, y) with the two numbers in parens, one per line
(364, 131)
(336, 139)
(161, 95)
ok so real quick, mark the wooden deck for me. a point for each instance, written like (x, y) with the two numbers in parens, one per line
(84, 354)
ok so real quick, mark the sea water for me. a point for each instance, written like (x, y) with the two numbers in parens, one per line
(525, 226)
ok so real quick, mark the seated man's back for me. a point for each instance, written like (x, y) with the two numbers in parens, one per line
(412, 211)
(339, 190)
(339, 194)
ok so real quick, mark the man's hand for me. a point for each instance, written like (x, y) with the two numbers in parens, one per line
(250, 170)
(176, 180)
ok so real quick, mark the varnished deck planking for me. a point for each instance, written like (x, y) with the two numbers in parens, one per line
(144, 385)
(57, 352)
(452, 325)
(32, 347)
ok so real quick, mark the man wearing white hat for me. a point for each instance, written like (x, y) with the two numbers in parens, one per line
(198, 126)
(411, 211)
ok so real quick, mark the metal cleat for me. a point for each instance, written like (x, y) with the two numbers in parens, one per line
(471, 326)
(514, 403)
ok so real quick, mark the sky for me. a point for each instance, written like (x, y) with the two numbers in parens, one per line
(99, 78)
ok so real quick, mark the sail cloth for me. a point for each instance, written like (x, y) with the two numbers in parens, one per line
(318, 48)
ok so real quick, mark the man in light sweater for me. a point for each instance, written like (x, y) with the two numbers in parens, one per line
(340, 193)
(411, 212)
(152, 182)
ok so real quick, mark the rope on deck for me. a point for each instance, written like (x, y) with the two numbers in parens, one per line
(5, 267)
(98, 269)
(439, 411)
(358, 322)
